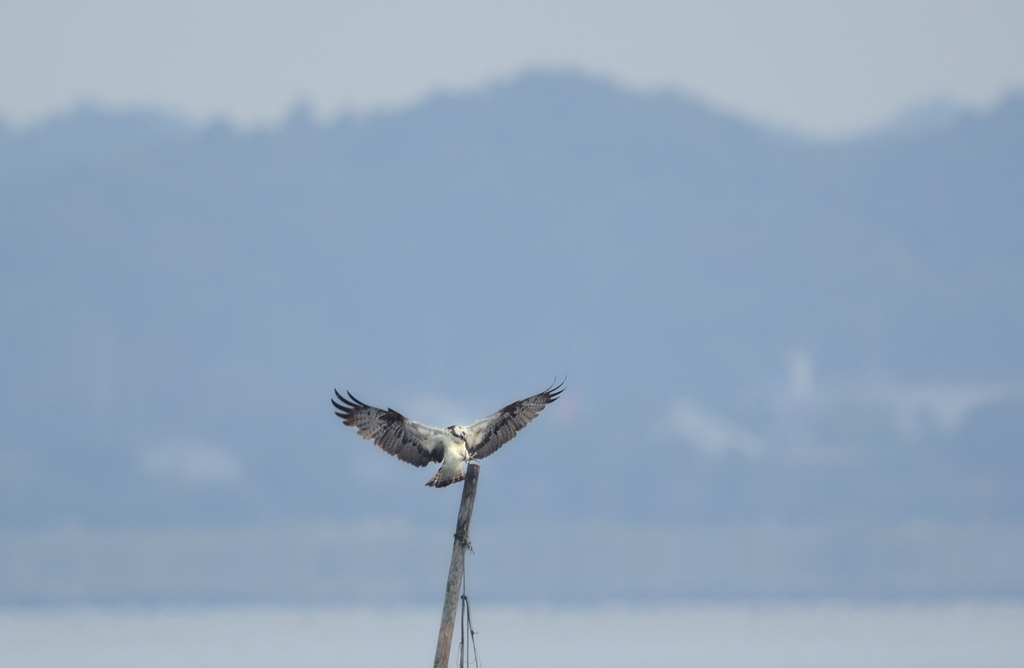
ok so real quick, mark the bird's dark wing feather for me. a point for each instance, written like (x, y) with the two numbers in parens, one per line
(494, 431)
(395, 434)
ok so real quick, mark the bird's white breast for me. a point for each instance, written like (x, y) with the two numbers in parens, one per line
(454, 449)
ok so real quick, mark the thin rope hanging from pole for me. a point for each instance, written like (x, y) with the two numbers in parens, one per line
(467, 657)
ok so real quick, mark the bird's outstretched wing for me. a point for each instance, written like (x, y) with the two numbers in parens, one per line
(494, 431)
(395, 434)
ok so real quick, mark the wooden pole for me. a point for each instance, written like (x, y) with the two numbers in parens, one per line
(458, 567)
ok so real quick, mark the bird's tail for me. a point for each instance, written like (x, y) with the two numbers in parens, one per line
(445, 477)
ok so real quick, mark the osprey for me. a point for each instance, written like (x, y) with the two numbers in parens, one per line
(420, 444)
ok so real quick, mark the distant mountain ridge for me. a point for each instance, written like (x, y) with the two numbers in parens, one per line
(755, 328)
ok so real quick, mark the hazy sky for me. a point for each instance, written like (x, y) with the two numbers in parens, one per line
(823, 68)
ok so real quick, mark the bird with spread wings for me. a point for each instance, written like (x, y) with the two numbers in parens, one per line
(420, 444)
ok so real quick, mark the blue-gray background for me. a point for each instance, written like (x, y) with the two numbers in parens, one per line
(794, 368)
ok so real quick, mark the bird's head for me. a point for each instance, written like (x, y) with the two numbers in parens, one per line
(458, 431)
